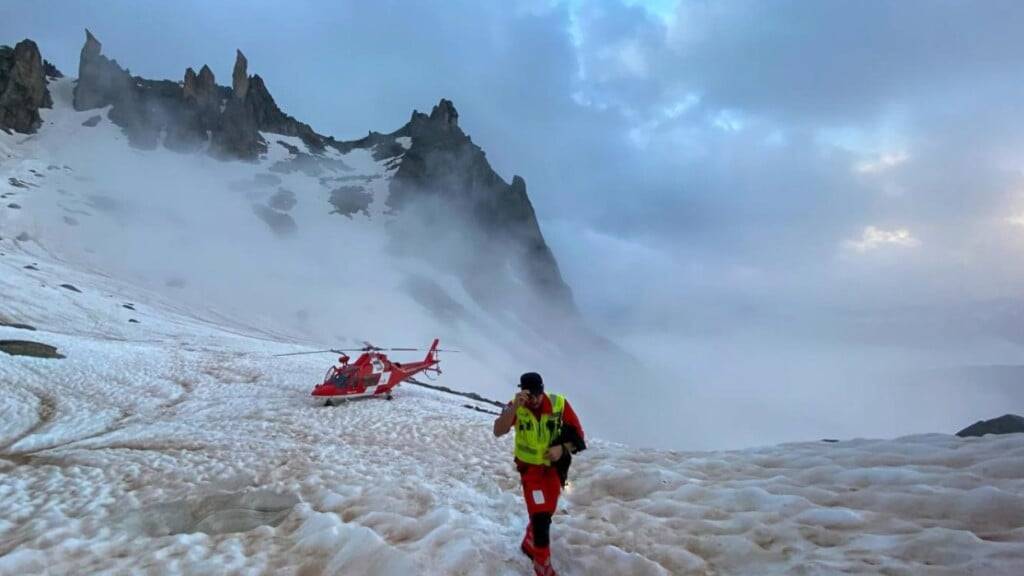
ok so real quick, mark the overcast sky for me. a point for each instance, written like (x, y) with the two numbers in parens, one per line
(778, 175)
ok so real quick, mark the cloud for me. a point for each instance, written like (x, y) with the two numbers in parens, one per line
(882, 163)
(874, 238)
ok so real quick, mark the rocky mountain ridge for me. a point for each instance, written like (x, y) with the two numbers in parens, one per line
(440, 162)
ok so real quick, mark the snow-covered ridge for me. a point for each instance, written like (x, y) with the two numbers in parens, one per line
(177, 445)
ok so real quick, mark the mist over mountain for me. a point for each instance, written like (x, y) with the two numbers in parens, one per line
(214, 196)
(440, 162)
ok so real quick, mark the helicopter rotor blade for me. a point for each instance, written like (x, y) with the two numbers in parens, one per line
(301, 353)
(367, 348)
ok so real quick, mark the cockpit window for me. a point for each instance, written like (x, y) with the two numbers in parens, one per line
(340, 378)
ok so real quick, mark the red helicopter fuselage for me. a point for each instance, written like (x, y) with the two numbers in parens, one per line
(372, 374)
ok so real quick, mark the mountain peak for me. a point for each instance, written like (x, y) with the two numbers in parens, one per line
(92, 47)
(445, 113)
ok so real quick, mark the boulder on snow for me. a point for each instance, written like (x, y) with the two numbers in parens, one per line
(4, 321)
(29, 348)
(22, 87)
(1006, 424)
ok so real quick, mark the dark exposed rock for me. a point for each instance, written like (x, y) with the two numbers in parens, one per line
(290, 148)
(442, 162)
(349, 200)
(1006, 424)
(4, 321)
(479, 409)
(239, 135)
(70, 287)
(50, 70)
(18, 325)
(270, 118)
(29, 348)
(14, 206)
(22, 87)
(101, 82)
(133, 321)
(142, 108)
(239, 77)
(200, 114)
(128, 306)
(282, 200)
(192, 112)
(70, 221)
(18, 183)
(310, 165)
(92, 121)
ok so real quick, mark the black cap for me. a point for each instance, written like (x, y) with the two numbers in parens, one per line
(531, 382)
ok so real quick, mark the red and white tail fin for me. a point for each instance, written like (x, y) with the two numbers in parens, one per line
(432, 353)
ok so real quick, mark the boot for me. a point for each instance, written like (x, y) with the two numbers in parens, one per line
(542, 562)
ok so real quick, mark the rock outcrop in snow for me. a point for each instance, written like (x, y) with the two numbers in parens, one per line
(22, 87)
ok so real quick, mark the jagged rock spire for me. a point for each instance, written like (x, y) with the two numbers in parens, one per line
(206, 76)
(91, 49)
(101, 81)
(239, 77)
(22, 87)
(445, 113)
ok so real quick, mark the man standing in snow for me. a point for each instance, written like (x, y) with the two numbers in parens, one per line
(547, 433)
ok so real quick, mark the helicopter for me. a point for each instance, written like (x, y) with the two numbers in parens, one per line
(372, 374)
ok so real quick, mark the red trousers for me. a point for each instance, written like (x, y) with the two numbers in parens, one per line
(541, 487)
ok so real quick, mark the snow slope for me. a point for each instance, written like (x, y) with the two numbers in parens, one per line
(179, 446)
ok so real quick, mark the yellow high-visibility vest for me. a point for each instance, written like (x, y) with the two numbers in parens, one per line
(533, 437)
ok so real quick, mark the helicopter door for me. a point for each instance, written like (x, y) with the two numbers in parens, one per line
(379, 373)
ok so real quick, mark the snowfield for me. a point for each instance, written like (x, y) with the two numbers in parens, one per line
(170, 440)
(177, 446)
